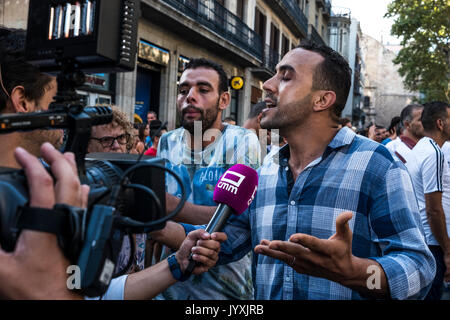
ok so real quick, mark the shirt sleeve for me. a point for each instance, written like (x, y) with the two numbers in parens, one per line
(115, 290)
(238, 242)
(432, 169)
(395, 221)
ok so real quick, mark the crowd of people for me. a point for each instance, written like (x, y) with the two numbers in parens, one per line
(332, 208)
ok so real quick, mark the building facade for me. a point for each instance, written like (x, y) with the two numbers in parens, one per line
(345, 38)
(247, 37)
(384, 93)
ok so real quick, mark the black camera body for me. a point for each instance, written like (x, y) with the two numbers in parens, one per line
(92, 238)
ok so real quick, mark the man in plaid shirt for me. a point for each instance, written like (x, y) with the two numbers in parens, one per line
(335, 216)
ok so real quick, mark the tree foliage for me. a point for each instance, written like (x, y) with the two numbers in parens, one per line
(423, 26)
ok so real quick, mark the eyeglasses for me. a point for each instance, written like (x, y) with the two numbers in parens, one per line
(108, 142)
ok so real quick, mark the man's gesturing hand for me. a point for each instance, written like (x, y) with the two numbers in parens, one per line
(326, 258)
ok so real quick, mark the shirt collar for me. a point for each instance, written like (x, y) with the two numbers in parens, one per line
(343, 137)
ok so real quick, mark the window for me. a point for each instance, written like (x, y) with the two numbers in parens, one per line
(274, 38)
(317, 22)
(260, 24)
(240, 9)
(234, 104)
(256, 95)
(284, 45)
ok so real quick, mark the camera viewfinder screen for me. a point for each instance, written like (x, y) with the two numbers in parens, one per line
(71, 20)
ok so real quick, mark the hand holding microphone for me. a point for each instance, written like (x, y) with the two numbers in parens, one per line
(234, 193)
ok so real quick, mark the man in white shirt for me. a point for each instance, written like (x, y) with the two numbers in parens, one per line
(412, 132)
(429, 173)
(446, 196)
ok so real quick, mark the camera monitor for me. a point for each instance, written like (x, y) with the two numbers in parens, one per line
(99, 35)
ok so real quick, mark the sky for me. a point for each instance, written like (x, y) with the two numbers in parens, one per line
(370, 14)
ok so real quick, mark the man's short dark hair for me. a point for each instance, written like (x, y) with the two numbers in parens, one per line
(205, 63)
(16, 71)
(432, 111)
(332, 74)
(407, 113)
(256, 109)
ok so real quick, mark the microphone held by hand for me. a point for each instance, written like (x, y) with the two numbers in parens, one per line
(234, 193)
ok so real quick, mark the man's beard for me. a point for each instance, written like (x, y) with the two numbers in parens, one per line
(293, 114)
(207, 118)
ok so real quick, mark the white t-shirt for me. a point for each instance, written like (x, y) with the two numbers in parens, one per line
(446, 195)
(115, 290)
(429, 173)
(398, 149)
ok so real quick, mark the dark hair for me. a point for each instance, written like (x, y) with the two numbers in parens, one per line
(432, 111)
(379, 127)
(407, 113)
(154, 127)
(229, 119)
(332, 74)
(16, 71)
(256, 109)
(141, 131)
(395, 125)
(205, 63)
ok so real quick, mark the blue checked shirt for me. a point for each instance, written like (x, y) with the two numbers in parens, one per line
(354, 174)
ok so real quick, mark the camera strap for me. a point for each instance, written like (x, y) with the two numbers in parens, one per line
(45, 220)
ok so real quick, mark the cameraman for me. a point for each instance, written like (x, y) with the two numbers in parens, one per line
(23, 89)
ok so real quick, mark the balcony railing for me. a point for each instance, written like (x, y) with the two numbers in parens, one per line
(315, 36)
(291, 15)
(341, 12)
(299, 16)
(218, 19)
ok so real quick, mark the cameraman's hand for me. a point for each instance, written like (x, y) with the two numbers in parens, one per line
(205, 249)
(67, 189)
(37, 267)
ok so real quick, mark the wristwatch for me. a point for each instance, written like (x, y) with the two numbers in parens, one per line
(175, 268)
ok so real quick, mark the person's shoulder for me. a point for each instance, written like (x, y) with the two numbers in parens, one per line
(427, 147)
(173, 135)
(446, 148)
(169, 139)
(391, 145)
(378, 156)
(234, 130)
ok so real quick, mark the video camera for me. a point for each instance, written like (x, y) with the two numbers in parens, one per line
(127, 191)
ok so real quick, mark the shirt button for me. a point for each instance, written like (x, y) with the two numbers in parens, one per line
(287, 168)
(288, 279)
(292, 203)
